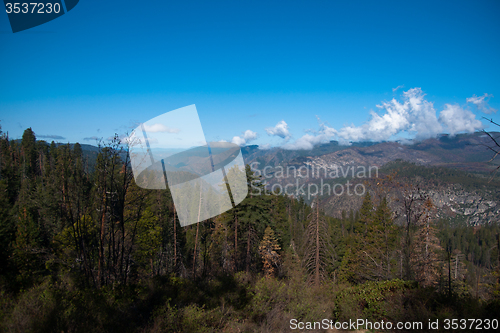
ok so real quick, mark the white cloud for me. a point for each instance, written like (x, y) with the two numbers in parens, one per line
(414, 114)
(160, 128)
(457, 119)
(424, 122)
(482, 103)
(398, 87)
(249, 135)
(308, 141)
(245, 138)
(238, 140)
(92, 138)
(281, 130)
(52, 136)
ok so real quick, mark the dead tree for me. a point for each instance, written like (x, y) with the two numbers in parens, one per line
(494, 146)
(318, 249)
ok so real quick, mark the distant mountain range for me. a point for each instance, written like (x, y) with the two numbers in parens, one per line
(465, 151)
(453, 171)
(465, 195)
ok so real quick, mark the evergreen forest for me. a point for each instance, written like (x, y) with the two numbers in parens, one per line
(84, 249)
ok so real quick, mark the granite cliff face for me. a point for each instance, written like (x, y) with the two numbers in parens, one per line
(453, 202)
(473, 208)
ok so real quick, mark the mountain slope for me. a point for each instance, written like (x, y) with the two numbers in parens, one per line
(465, 151)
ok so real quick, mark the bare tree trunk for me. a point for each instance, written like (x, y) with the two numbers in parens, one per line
(195, 248)
(449, 273)
(317, 246)
(498, 259)
(100, 277)
(122, 219)
(175, 241)
(387, 250)
(236, 242)
(478, 276)
(196, 238)
(248, 250)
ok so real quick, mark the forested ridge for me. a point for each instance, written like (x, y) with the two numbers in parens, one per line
(84, 249)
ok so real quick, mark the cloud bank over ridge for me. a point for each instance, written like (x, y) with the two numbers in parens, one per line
(413, 115)
(280, 130)
(245, 138)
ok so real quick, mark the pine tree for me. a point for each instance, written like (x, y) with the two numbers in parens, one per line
(378, 245)
(365, 215)
(268, 250)
(29, 153)
(7, 229)
(253, 216)
(349, 267)
(361, 243)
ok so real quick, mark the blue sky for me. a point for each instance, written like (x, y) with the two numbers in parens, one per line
(250, 65)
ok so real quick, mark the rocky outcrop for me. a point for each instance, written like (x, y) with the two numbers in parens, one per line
(473, 207)
(452, 203)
